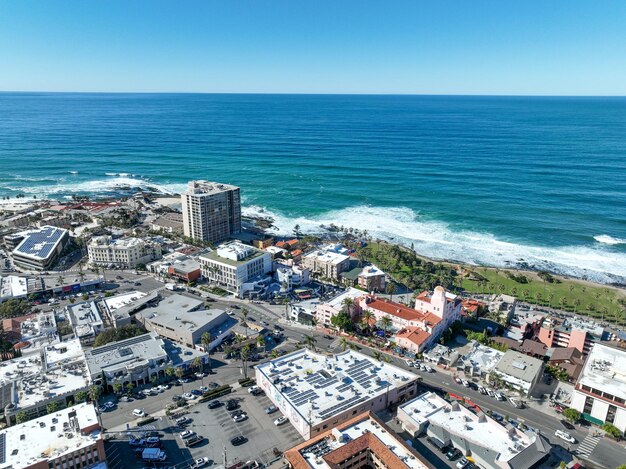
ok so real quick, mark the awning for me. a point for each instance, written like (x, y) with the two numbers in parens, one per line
(591, 419)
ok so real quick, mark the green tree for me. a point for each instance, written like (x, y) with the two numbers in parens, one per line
(342, 321)
(80, 396)
(206, 342)
(244, 315)
(179, 372)
(21, 417)
(94, 393)
(260, 342)
(386, 323)
(117, 388)
(377, 356)
(391, 289)
(197, 363)
(309, 341)
(129, 388)
(367, 317)
(170, 371)
(571, 414)
(274, 354)
(52, 407)
(244, 355)
(344, 344)
(612, 430)
(122, 333)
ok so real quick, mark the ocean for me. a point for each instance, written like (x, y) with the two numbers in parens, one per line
(500, 181)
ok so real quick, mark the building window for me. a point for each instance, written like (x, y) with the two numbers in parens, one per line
(610, 415)
(588, 405)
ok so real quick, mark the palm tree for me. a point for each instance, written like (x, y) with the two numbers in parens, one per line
(260, 342)
(563, 302)
(197, 363)
(206, 342)
(344, 344)
(179, 372)
(385, 323)
(538, 297)
(366, 319)
(60, 279)
(117, 388)
(391, 289)
(244, 315)
(274, 354)
(170, 371)
(309, 341)
(94, 392)
(347, 304)
(129, 388)
(244, 354)
(378, 356)
(550, 298)
(576, 304)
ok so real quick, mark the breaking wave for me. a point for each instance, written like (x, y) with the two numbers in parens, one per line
(606, 239)
(438, 240)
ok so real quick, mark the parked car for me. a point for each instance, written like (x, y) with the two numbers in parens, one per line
(189, 396)
(567, 425)
(232, 404)
(453, 454)
(214, 404)
(280, 420)
(565, 436)
(200, 462)
(194, 440)
(139, 413)
(409, 363)
(187, 434)
(271, 409)
(239, 417)
(182, 421)
(203, 389)
(462, 463)
(465, 383)
(126, 399)
(458, 380)
(255, 390)
(196, 392)
(162, 387)
(238, 440)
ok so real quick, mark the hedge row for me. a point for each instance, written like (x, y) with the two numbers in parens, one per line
(217, 392)
(145, 421)
(245, 382)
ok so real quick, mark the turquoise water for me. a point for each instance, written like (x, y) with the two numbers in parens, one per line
(488, 180)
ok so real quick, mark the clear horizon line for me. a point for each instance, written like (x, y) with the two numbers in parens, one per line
(260, 93)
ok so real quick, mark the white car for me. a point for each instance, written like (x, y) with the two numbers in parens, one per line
(280, 420)
(465, 383)
(565, 436)
(200, 462)
(189, 396)
(239, 418)
(409, 363)
(162, 387)
(187, 434)
(139, 413)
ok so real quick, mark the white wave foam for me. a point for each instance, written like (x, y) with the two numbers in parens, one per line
(606, 239)
(437, 240)
(102, 186)
(73, 172)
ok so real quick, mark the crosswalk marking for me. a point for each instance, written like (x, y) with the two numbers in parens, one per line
(588, 445)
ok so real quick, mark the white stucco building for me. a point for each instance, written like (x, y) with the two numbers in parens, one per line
(600, 393)
(235, 264)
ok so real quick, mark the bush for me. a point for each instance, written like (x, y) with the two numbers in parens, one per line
(612, 430)
(145, 421)
(217, 392)
(245, 382)
(113, 335)
(571, 414)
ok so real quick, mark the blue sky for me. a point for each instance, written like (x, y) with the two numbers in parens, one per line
(419, 47)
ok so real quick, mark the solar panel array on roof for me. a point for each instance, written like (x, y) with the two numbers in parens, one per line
(41, 243)
(3, 448)
(338, 408)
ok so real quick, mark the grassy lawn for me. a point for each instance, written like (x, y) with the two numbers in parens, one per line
(571, 295)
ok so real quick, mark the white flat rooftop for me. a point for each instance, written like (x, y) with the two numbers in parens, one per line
(358, 429)
(118, 301)
(319, 386)
(482, 357)
(66, 372)
(459, 420)
(605, 370)
(48, 437)
(352, 293)
(328, 256)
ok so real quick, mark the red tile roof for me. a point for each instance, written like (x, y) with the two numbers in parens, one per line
(414, 334)
(401, 311)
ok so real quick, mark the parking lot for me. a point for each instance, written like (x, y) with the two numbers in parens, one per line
(218, 428)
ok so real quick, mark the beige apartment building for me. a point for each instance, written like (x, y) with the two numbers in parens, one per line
(211, 211)
(125, 253)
